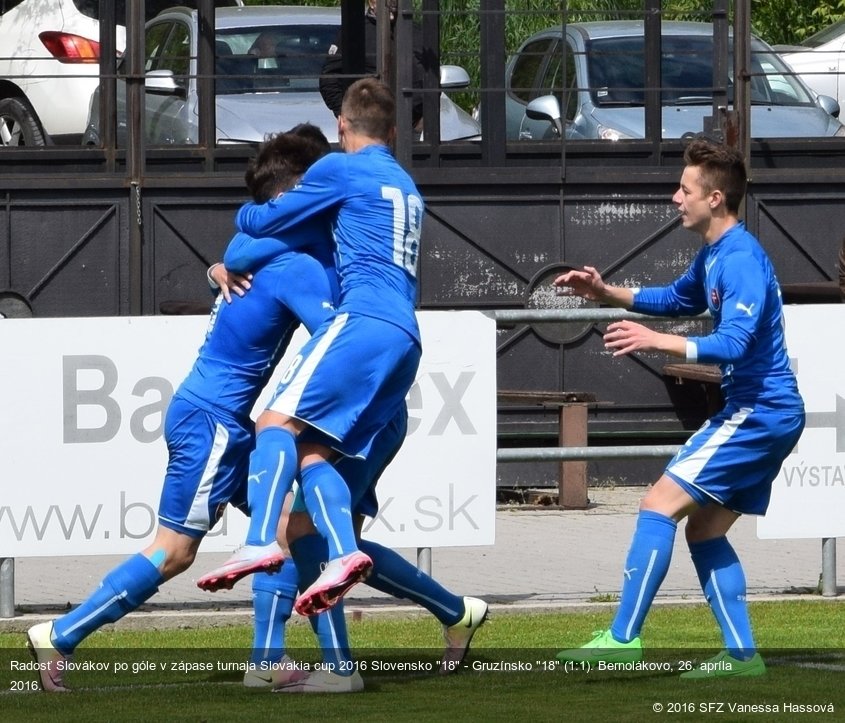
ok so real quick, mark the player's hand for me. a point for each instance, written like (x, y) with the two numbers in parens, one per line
(229, 281)
(623, 337)
(586, 283)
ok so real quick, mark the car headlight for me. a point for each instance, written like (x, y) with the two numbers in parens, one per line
(606, 133)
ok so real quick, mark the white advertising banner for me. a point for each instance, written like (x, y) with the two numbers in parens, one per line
(808, 496)
(82, 454)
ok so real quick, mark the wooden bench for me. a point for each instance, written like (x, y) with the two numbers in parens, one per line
(708, 375)
(572, 432)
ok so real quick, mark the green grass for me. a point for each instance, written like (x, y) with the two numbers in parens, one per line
(803, 642)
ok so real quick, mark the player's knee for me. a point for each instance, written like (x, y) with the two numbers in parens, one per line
(697, 530)
(180, 562)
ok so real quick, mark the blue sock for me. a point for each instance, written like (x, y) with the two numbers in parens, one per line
(310, 552)
(333, 639)
(272, 603)
(272, 468)
(645, 568)
(130, 584)
(394, 575)
(328, 502)
(723, 582)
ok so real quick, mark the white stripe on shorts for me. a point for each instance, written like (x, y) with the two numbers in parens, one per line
(689, 468)
(288, 401)
(198, 516)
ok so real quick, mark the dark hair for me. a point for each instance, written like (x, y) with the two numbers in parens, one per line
(721, 167)
(369, 109)
(282, 159)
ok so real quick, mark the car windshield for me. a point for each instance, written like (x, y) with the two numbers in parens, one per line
(281, 58)
(616, 73)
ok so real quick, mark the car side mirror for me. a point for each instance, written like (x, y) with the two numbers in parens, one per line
(547, 108)
(453, 76)
(828, 105)
(162, 82)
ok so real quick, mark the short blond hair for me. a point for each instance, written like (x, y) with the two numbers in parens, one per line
(370, 109)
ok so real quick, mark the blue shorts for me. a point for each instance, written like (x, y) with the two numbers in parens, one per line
(350, 379)
(208, 464)
(361, 475)
(735, 456)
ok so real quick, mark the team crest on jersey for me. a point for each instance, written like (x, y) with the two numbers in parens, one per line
(715, 301)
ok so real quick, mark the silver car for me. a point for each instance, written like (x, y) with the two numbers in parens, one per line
(268, 62)
(587, 81)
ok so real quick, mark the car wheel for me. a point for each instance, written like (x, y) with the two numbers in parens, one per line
(18, 127)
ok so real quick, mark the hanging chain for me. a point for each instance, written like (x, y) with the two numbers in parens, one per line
(136, 189)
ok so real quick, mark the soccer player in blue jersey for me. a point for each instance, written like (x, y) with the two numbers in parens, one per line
(352, 376)
(727, 467)
(207, 428)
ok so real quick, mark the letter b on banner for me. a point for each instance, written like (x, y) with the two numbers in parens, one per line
(73, 398)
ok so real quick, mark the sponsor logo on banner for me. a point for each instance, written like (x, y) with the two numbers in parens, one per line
(84, 457)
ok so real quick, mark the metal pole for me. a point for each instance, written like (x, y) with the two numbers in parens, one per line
(547, 454)
(135, 149)
(504, 316)
(424, 560)
(206, 82)
(829, 588)
(398, 74)
(7, 587)
(721, 118)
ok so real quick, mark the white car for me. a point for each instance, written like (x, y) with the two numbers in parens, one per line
(820, 61)
(49, 66)
(49, 60)
(268, 61)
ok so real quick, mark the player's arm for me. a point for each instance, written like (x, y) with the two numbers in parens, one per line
(679, 298)
(588, 284)
(625, 337)
(320, 189)
(742, 291)
(246, 253)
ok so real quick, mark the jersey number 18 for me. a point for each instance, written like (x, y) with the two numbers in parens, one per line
(407, 223)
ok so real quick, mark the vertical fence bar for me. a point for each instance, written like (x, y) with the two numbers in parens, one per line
(829, 587)
(7, 587)
(424, 560)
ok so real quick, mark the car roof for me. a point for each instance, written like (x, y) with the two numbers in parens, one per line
(258, 15)
(629, 28)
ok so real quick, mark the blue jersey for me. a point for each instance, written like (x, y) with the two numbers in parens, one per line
(734, 279)
(245, 339)
(376, 214)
